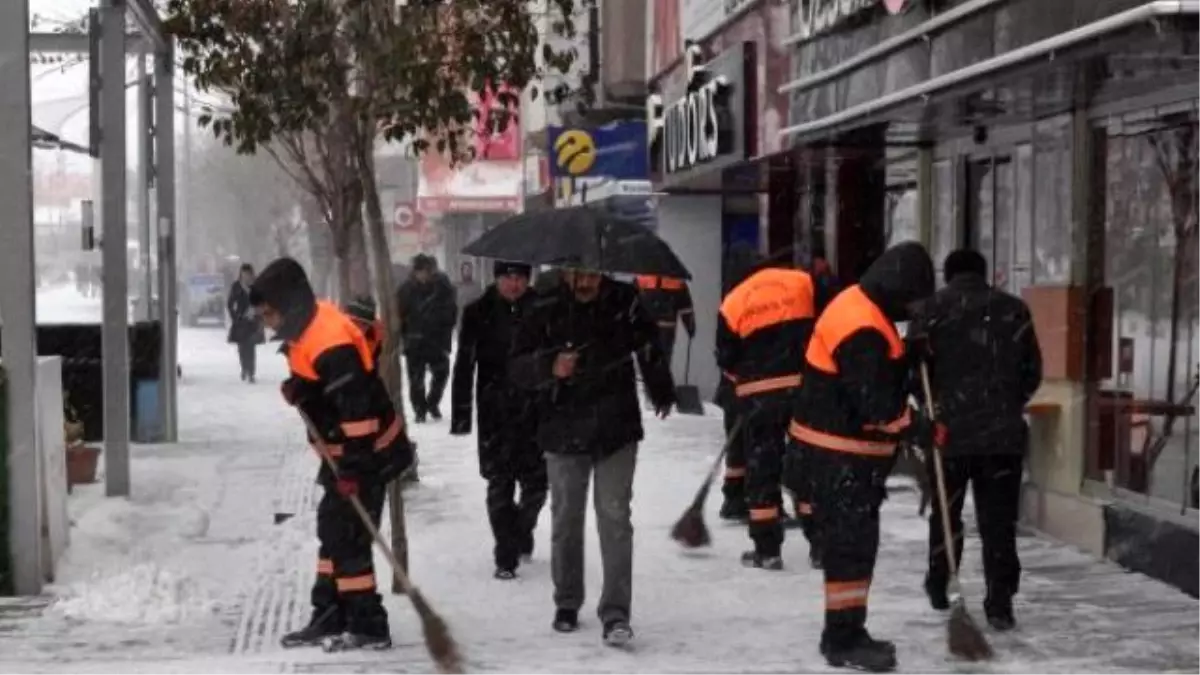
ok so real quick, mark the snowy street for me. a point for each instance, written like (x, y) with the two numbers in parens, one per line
(192, 574)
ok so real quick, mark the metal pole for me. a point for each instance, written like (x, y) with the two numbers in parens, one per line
(145, 153)
(114, 249)
(164, 137)
(17, 299)
(185, 207)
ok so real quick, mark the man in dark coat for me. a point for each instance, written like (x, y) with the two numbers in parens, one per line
(245, 328)
(849, 415)
(508, 451)
(577, 350)
(428, 311)
(985, 365)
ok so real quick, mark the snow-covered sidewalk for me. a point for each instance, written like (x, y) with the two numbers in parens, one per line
(192, 574)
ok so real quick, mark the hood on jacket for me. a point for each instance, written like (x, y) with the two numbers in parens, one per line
(900, 277)
(284, 287)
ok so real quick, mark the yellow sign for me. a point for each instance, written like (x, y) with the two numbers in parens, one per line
(575, 151)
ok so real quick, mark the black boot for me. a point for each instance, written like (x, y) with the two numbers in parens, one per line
(860, 653)
(366, 626)
(435, 413)
(325, 623)
(566, 620)
(999, 611)
(617, 633)
(936, 592)
(762, 561)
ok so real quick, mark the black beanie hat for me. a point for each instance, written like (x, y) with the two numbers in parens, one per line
(503, 268)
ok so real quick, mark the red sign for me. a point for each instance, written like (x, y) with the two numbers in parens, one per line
(502, 142)
(406, 218)
(894, 6)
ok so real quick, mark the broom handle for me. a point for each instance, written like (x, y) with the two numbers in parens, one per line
(940, 475)
(323, 450)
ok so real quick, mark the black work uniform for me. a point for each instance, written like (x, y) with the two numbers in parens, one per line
(763, 328)
(846, 422)
(669, 301)
(509, 455)
(333, 367)
(985, 365)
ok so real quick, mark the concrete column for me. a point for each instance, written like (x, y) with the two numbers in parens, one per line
(164, 138)
(17, 299)
(114, 253)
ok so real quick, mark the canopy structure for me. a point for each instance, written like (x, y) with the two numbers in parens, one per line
(107, 43)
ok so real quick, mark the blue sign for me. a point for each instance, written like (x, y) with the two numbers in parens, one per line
(617, 150)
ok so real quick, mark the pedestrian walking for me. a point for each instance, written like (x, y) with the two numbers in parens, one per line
(669, 302)
(245, 328)
(763, 328)
(848, 417)
(334, 382)
(577, 350)
(509, 455)
(985, 365)
(428, 311)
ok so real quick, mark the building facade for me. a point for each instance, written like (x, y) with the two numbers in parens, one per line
(1060, 140)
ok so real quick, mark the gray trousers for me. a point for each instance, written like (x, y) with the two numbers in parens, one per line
(569, 477)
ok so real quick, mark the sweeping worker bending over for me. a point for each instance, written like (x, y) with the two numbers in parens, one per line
(334, 383)
(849, 414)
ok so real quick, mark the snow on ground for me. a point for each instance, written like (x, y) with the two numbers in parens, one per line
(192, 575)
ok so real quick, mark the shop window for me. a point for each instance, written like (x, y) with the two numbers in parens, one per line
(945, 226)
(900, 214)
(1052, 202)
(1145, 412)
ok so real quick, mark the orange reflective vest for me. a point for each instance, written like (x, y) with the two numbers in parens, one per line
(770, 314)
(848, 314)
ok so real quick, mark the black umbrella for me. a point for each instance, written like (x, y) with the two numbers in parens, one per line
(579, 236)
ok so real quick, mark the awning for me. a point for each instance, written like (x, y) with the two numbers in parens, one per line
(1016, 58)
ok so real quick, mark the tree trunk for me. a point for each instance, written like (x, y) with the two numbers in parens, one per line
(390, 370)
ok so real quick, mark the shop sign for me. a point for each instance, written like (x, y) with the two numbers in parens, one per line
(814, 17)
(705, 123)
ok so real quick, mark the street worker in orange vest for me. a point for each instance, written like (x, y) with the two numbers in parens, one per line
(334, 382)
(670, 302)
(762, 329)
(848, 417)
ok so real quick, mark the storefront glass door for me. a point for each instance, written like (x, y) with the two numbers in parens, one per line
(991, 218)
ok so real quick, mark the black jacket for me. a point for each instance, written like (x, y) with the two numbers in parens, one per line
(985, 364)
(241, 328)
(870, 389)
(507, 413)
(596, 411)
(333, 377)
(428, 312)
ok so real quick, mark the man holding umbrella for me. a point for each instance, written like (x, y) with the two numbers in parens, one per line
(577, 351)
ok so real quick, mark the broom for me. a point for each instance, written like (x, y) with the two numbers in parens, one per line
(963, 635)
(690, 530)
(438, 641)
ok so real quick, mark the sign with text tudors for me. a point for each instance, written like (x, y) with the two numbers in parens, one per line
(706, 126)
